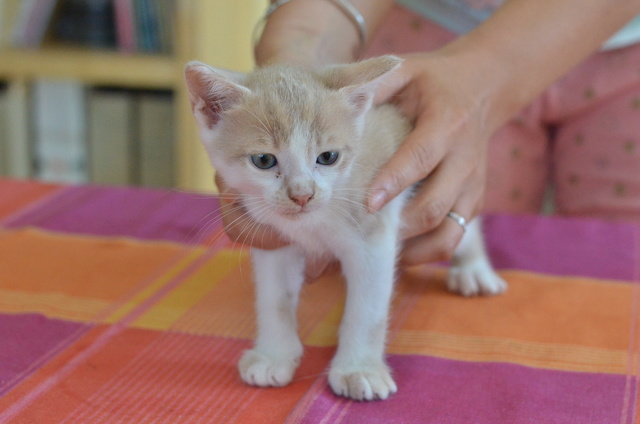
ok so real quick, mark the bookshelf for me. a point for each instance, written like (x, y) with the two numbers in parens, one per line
(213, 31)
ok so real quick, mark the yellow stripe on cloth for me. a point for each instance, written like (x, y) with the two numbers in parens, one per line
(52, 305)
(168, 313)
(127, 308)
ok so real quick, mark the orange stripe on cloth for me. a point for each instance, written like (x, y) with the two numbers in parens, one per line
(146, 376)
(536, 308)
(78, 278)
(16, 195)
(533, 324)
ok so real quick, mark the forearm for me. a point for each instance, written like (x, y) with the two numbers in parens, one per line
(528, 44)
(316, 32)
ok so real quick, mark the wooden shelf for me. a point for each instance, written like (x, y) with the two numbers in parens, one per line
(90, 66)
(213, 31)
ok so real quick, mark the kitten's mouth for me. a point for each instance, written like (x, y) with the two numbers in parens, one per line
(296, 213)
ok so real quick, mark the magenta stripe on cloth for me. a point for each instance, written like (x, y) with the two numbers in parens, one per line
(445, 391)
(28, 341)
(140, 213)
(590, 248)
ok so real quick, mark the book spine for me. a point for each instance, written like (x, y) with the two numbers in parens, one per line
(18, 151)
(156, 135)
(112, 149)
(4, 131)
(59, 128)
(22, 23)
(38, 23)
(125, 25)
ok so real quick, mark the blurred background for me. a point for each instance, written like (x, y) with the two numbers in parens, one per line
(91, 91)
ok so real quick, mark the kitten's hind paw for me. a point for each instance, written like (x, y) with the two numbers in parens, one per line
(258, 369)
(475, 278)
(363, 383)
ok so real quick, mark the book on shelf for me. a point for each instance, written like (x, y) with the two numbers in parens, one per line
(125, 25)
(59, 131)
(112, 143)
(85, 22)
(131, 26)
(156, 135)
(15, 118)
(4, 130)
(31, 23)
(9, 10)
(76, 134)
(131, 135)
(144, 25)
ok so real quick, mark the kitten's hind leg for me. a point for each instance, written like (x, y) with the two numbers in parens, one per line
(279, 275)
(471, 273)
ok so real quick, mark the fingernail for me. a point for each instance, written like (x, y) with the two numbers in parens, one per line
(377, 200)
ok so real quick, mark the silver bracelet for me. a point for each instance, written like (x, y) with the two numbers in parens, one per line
(345, 7)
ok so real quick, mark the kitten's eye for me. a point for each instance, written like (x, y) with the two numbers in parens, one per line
(327, 158)
(265, 161)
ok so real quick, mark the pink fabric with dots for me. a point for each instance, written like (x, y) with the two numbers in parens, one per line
(581, 136)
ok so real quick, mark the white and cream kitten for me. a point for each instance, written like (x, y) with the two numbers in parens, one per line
(302, 147)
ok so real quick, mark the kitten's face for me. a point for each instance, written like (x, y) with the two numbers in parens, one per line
(284, 138)
(287, 147)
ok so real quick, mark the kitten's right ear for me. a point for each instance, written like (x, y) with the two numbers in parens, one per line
(213, 91)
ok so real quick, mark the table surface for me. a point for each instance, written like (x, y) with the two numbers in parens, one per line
(130, 305)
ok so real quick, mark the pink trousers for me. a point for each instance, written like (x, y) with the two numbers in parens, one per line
(580, 138)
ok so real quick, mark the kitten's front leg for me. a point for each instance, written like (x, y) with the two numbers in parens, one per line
(279, 275)
(358, 370)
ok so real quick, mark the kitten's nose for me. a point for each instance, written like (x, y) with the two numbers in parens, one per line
(301, 199)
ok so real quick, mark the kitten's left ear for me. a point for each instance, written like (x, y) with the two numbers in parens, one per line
(358, 82)
(213, 91)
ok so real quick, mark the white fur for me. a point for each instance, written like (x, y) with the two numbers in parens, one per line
(334, 223)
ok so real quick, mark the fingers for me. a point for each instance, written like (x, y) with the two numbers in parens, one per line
(431, 236)
(438, 245)
(450, 184)
(238, 224)
(412, 162)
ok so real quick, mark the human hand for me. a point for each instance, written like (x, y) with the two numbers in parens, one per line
(446, 151)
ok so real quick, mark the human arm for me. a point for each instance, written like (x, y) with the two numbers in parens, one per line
(457, 95)
(462, 93)
(316, 32)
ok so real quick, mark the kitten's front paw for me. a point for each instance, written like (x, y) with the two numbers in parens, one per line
(371, 382)
(475, 278)
(258, 369)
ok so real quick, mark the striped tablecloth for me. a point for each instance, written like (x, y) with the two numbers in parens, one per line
(121, 305)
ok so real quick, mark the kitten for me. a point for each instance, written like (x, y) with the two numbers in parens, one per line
(302, 147)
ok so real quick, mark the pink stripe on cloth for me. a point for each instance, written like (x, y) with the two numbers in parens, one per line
(491, 393)
(28, 341)
(132, 212)
(564, 246)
